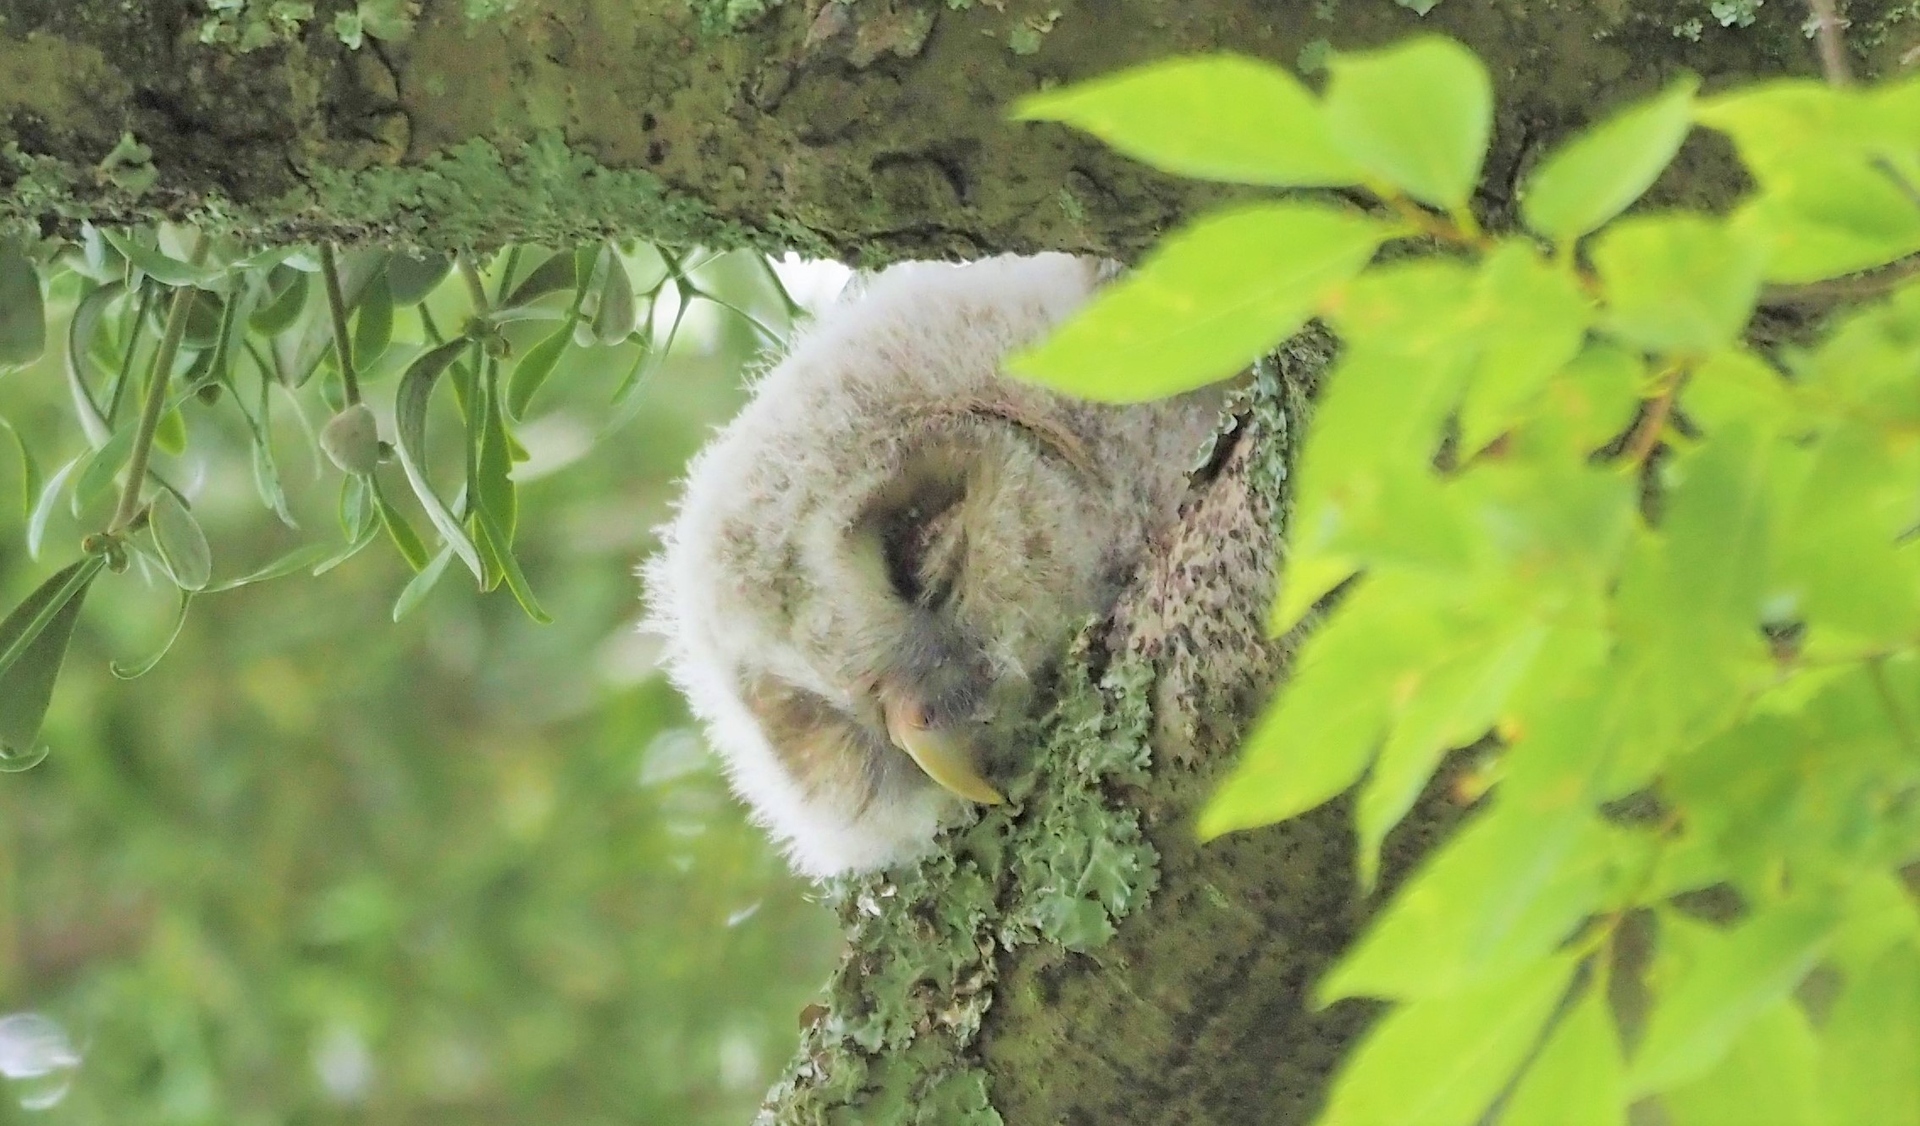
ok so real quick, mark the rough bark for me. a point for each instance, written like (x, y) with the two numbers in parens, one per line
(870, 130)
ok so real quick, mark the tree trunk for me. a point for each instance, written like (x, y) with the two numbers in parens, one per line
(992, 984)
(869, 130)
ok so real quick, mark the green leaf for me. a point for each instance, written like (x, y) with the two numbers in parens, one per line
(158, 266)
(517, 584)
(44, 505)
(555, 274)
(1209, 300)
(80, 333)
(1577, 1078)
(422, 584)
(404, 538)
(493, 485)
(1767, 1076)
(1452, 697)
(1416, 116)
(373, 324)
(102, 466)
(1836, 216)
(410, 424)
(142, 668)
(1536, 319)
(30, 478)
(286, 296)
(23, 313)
(1678, 283)
(1504, 892)
(1595, 395)
(183, 546)
(614, 315)
(410, 279)
(1602, 171)
(1870, 1060)
(299, 559)
(1220, 117)
(1441, 1061)
(533, 369)
(1735, 976)
(1319, 736)
(33, 646)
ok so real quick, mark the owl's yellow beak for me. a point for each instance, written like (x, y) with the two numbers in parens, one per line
(942, 754)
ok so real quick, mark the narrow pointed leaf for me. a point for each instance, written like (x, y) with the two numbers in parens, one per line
(80, 333)
(421, 584)
(410, 424)
(1219, 117)
(299, 559)
(510, 568)
(158, 266)
(33, 646)
(404, 538)
(553, 275)
(533, 369)
(44, 506)
(23, 313)
(613, 319)
(31, 481)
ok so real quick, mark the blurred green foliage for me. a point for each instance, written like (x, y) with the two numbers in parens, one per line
(320, 866)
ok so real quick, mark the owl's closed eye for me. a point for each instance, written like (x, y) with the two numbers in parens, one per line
(874, 567)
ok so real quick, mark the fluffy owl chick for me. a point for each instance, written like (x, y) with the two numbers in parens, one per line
(875, 564)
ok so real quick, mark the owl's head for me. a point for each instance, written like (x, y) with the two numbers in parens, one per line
(874, 565)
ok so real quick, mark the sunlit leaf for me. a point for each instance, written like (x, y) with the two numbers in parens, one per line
(1441, 1061)
(183, 546)
(33, 646)
(1219, 117)
(1209, 301)
(1602, 171)
(1536, 319)
(1678, 283)
(1767, 1076)
(1416, 115)
(1870, 1056)
(1734, 977)
(23, 314)
(1576, 1080)
(410, 423)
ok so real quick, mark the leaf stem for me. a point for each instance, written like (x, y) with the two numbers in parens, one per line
(118, 391)
(476, 289)
(1655, 422)
(1833, 51)
(159, 375)
(337, 308)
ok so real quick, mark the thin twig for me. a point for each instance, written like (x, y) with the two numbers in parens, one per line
(476, 289)
(337, 308)
(1833, 49)
(122, 377)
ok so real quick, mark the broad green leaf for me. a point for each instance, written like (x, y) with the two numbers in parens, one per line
(410, 279)
(1678, 282)
(80, 334)
(1870, 1055)
(1577, 1079)
(373, 324)
(1536, 318)
(1717, 527)
(1767, 1076)
(1317, 739)
(1785, 125)
(410, 424)
(141, 668)
(1418, 309)
(23, 313)
(1219, 117)
(1735, 388)
(1441, 1061)
(1416, 116)
(1837, 215)
(1504, 892)
(1599, 173)
(1209, 300)
(1595, 395)
(1455, 695)
(422, 584)
(533, 369)
(183, 546)
(404, 538)
(1839, 554)
(33, 646)
(1734, 977)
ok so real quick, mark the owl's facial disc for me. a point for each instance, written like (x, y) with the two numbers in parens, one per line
(943, 753)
